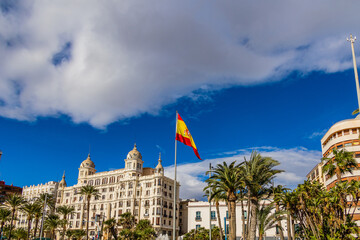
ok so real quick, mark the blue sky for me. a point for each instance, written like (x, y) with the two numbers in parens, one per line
(239, 81)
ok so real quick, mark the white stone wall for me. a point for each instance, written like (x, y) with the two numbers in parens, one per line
(203, 221)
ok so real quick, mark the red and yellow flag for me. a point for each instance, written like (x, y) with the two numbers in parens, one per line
(183, 135)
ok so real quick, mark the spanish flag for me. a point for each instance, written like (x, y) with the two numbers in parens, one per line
(183, 135)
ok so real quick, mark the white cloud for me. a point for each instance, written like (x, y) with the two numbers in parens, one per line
(296, 162)
(318, 134)
(133, 57)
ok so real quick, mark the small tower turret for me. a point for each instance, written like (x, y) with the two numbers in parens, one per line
(134, 162)
(87, 167)
(159, 168)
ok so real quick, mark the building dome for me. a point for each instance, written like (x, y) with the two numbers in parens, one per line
(87, 163)
(159, 166)
(62, 183)
(134, 154)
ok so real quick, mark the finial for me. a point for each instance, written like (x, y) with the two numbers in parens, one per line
(135, 146)
(63, 175)
(159, 156)
(88, 156)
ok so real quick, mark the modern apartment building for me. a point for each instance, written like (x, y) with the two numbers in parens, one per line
(342, 135)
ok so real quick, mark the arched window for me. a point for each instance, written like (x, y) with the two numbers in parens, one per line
(97, 182)
(91, 182)
(112, 180)
(104, 181)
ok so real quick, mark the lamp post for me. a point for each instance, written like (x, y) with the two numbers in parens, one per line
(352, 40)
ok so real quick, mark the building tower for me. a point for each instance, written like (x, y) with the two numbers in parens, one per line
(159, 168)
(87, 167)
(134, 162)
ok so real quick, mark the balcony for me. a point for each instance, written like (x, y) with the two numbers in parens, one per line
(146, 215)
(198, 219)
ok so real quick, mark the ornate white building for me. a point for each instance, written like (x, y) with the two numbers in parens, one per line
(145, 192)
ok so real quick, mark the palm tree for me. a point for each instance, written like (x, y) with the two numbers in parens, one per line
(227, 180)
(4, 217)
(30, 209)
(50, 200)
(111, 224)
(20, 233)
(69, 233)
(267, 219)
(88, 191)
(286, 200)
(127, 220)
(78, 234)
(277, 192)
(216, 198)
(342, 162)
(13, 202)
(258, 173)
(51, 223)
(37, 215)
(65, 211)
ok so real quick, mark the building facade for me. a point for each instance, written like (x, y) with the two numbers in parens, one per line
(342, 135)
(198, 215)
(31, 193)
(144, 192)
(7, 190)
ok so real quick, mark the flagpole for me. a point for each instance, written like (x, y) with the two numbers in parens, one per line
(174, 205)
(209, 203)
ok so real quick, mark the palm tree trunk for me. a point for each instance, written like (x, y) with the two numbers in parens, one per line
(242, 218)
(87, 218)
(29, 228)
(260, 236)
(249, 215)
(36, 226)
(11, 223)
(288, 226)
(232, 235)
(219, 219)
(278, 225)
(252, 228)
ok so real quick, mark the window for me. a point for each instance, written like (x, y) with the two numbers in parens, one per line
(104, 190)
(198, 226)
(198, 215)
(346, 132)
(213, 215)
(104, 181)
(227, 214)
(97, 182)
(245, 214)
(130, 185)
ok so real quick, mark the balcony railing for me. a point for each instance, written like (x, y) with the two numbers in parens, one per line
(197, 218)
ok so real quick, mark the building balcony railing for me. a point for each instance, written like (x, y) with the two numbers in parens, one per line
(197, 218)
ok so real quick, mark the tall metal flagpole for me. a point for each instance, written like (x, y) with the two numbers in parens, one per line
(210, 204)
(174, 205)
(352, 40)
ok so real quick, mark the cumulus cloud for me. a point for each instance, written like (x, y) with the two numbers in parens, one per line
(296, 162)
(103, 61)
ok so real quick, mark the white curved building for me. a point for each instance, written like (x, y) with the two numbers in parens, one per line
(342, 135)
